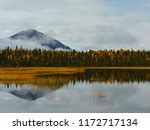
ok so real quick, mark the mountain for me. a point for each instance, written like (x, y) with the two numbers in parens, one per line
(28, 95)
(31, 39)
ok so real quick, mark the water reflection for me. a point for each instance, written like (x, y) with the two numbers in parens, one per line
(103, 76)
(90, 75)
(91, 91)
(28, 94)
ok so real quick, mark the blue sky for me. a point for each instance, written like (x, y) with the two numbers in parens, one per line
(81, 24)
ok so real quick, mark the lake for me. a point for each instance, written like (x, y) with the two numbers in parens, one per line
(94, 90)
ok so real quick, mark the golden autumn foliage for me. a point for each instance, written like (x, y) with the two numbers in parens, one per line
(52, 58)
(59, 76)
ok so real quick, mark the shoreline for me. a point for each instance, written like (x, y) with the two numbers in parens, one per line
(36, 75)
(74, 68)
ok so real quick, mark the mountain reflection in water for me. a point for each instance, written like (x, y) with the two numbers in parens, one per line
(94, 90)
(30, 94)
(45, 83)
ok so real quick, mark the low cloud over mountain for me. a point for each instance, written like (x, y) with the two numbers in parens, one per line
(30, 39)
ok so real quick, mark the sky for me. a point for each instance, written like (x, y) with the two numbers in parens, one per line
(81, 24)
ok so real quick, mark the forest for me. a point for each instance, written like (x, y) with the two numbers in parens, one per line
(51, 58)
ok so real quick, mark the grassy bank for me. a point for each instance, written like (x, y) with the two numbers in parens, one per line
(25, 73)
(36, 75)
(29, 72)
(33, 75)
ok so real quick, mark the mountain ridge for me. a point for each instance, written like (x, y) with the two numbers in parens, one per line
(32, 37)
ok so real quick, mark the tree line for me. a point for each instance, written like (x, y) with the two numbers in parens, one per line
(48, 58)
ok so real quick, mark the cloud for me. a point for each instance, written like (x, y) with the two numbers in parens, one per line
(80, 23)
(97, 37)
(19, 43)
(142, 32)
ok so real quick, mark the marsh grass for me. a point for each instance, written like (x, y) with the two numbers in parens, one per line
(55, 77)
(36, 76)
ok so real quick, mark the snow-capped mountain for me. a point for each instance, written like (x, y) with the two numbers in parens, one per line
(30, 39)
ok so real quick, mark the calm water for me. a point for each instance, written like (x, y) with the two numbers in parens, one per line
(91, 91)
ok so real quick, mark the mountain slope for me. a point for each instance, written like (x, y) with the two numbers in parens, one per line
(31, 39)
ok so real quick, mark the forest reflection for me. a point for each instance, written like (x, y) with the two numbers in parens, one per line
(111, 76)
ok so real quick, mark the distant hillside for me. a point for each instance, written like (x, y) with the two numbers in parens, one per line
(31, 39)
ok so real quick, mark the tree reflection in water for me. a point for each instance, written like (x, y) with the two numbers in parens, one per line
(54, 81)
